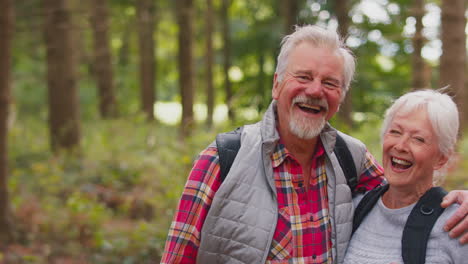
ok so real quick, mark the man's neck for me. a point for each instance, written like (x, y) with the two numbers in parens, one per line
(301, 149)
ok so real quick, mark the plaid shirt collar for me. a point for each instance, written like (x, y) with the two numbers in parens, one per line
(281, 153)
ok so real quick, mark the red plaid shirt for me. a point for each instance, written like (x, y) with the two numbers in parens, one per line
(303, 229)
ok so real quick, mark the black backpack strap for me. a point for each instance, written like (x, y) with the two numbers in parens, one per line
(419, 225)
(228, 145)
(366, 205)
(346, 162)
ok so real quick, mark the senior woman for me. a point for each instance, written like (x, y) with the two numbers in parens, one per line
(419, 135)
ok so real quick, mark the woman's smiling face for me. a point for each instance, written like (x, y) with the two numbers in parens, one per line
(411, 150)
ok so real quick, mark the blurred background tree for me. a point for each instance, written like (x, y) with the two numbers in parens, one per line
(6, 34)
(89, 75)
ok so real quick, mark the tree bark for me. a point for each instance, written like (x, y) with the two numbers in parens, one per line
(64, 124)
(185, 39)
(209, 63)
(102, 58)
(453, 59)
(6, 32)
(420, 80)
(291, 12)
(124, 51)
(225, 5)
(146, 27)
(342, 8)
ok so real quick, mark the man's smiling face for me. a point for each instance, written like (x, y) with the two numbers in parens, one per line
(310, 92)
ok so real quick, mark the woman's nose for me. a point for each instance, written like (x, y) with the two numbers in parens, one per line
(401, 144)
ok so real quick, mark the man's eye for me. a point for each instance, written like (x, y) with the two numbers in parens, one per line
(302, 78)
(419, 139)
(331, 85)
(394, 132)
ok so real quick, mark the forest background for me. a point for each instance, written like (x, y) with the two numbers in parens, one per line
(104, 104)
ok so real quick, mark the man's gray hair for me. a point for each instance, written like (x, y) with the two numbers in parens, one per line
(442, 113)
(319, 37)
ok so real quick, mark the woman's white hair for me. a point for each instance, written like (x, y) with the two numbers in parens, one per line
(443, 116)
(319, 37)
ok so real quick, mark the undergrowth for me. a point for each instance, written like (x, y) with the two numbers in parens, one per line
(111, 203)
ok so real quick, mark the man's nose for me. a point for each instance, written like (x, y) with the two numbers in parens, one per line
(314, 88)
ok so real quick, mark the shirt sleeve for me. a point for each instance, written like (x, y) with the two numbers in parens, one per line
(371, 177)
(183, 239)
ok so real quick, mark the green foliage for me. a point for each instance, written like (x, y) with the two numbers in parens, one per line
(112, 203)
(457, 177)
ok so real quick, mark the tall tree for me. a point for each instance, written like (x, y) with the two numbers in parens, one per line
(102, 69)
(453, 59)
(342, 8)
(209, 21)
(419, 79)
(146, 24)
(124, 50)
(6, 32)
(184, 9)
(226, 32)
(64, 123)
(291, 11)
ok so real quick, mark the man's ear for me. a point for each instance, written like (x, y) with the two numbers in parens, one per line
(276, 87)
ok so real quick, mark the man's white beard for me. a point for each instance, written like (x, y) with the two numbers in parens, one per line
(304, 128)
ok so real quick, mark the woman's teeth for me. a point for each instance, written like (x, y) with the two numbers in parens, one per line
(404, 164)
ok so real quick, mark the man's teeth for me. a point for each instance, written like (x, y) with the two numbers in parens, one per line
(401, 162)
(312, 107)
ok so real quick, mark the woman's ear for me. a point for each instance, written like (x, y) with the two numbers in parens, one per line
(440, 162)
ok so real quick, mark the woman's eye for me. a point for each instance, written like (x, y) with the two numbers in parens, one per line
(419, 139)
(394, 132)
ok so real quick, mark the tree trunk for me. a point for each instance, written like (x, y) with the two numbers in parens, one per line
(291, 12)
(64, 121)
(209, 63)
(80, 23)
(185, 22)
(453, 59)
(102, 58)
(419, 67)
(146, 26)
(124, 51)
(6, 32)
(342, 13)
(227, 56)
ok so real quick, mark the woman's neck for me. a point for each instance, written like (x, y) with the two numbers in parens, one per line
(397, 197)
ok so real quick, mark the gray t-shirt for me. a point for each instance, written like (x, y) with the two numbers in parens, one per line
(378, 238)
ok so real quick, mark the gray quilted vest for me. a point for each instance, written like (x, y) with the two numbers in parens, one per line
(242, 219)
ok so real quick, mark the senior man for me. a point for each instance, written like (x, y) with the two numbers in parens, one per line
(285, 198)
